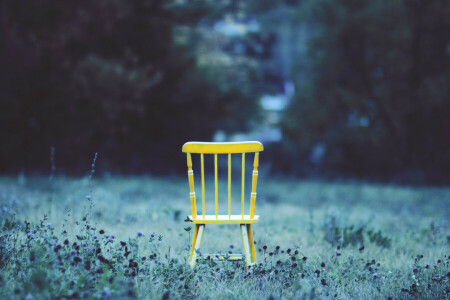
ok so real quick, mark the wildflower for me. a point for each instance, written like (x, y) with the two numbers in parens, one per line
(304, 258)
(88, 197)
(95, 236)
(375, 275)
(122, 243)
(106, 293)
(101, 231)
(166, 295)
(152, 235)
(113, 236)
(323, 282)
(322, 265)
(29, 297)
(415, 270)
(139, 233)
(186, 248)
(49, 225)
(66, 242)
(84, 244)
(361, 249)
(31, 235)
(159, 262)
(265, 247)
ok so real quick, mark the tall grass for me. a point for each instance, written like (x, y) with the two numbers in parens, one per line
(348, 240)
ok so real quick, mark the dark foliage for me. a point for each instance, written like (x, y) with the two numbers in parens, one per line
(375, 93)
(105, 76)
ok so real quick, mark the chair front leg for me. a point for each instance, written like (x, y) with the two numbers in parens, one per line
(194, 239)
(248, 259)
(252, 243)
(198, 242)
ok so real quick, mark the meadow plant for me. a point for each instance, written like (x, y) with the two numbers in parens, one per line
(66, 255)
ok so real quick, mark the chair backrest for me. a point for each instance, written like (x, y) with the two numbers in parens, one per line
(223, 148)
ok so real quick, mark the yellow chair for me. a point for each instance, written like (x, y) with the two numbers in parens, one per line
(245, 221)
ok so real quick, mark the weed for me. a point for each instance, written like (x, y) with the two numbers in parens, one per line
(67, 255)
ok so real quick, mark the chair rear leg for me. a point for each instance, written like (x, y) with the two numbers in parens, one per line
(246, 243)
(252, 243)
(198, 242)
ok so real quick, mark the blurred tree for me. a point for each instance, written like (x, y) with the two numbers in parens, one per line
(377, 86)
(112, 77)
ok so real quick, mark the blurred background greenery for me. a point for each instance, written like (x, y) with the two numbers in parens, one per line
(334, 89)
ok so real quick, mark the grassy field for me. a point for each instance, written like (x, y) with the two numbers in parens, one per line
(124, 237)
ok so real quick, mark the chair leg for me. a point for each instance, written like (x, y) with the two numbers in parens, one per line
(194, 239)
(246, 244)
(252, 243)
(198, 242)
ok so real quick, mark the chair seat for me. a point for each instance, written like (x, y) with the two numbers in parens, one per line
(224, 219)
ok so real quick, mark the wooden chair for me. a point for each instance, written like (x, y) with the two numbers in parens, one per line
(244, 220)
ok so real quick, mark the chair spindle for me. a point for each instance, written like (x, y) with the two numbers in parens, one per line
(243, 185)
(203, 184)
(215, 173)
(229, 185)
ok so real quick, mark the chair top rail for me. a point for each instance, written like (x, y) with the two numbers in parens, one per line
(222, 148)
